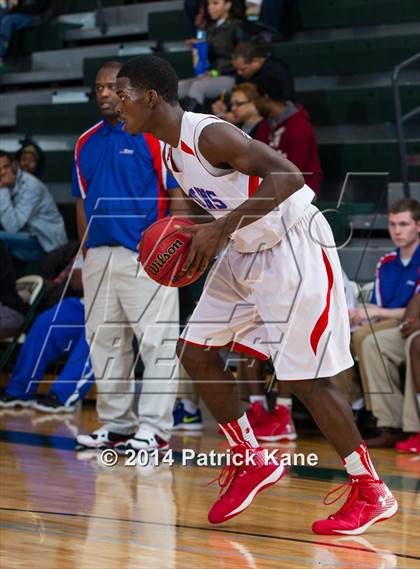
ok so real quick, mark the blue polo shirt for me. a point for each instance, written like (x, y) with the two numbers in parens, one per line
(396, 283)
(123, 181)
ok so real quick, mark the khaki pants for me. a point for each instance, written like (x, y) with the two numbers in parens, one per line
(356, 349)
(121, 300)
(390, 406)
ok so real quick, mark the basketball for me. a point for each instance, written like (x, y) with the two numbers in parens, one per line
(163, 251)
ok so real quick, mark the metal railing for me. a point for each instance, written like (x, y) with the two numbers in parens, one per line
(401, 118)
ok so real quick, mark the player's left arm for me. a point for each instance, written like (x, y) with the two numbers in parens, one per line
(226, 147)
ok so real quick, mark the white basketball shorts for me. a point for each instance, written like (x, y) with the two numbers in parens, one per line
(286, 303)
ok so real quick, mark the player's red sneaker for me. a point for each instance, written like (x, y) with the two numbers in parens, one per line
(257, 414)
(244, 482)
(412, 444)
(278, 426)
(370, 501)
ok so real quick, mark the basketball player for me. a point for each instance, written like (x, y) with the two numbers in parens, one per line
(276, 291)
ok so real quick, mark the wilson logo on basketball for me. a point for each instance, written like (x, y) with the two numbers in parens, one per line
(162, 258)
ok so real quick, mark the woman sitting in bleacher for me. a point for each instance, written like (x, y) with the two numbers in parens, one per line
(223, 23)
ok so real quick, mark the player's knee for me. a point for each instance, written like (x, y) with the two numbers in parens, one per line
(190, 356)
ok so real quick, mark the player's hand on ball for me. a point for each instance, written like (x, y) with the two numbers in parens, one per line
(207, 240)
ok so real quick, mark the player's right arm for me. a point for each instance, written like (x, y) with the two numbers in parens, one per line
(226, 147)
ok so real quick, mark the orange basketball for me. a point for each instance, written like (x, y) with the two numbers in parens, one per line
(163, 251)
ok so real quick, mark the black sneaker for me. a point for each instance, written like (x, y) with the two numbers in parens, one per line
(101, 438)
(50, 404)
(8, 401)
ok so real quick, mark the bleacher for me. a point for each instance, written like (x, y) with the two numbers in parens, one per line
(342, 53)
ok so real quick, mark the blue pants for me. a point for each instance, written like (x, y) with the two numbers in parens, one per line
(55, 332)
(22, 245)
(9, 23)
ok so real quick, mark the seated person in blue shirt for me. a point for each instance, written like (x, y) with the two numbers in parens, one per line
(29, 217)
(57, 332)
(397, 276)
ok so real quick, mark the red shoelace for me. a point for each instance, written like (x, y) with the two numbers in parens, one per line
(224, 477)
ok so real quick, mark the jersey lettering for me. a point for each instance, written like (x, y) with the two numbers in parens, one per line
(206, 198)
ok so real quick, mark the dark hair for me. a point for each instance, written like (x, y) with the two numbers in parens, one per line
(28, 145)
(406, 204)
(269, 84)
(4, 154)
(236, 12)
(249, 51)
(152, 72)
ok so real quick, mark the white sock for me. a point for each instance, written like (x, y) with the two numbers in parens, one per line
(189, 406)
(359, 463)
(259, 399)
(239, 432)
(285, 401)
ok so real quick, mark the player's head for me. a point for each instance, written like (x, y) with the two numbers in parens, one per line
(404, 222)
(8, 169)
(105, 92)
(248, 58)
(271, 93)
(145, 84)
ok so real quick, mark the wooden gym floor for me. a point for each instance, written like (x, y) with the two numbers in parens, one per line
(61, 509)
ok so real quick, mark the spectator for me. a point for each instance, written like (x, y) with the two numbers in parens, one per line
(289, 130)
(29, 216)
(18, 15)
(56, 332)
(119, 182)
(397, 275)
(224, 25)
(30, 158)
(244, 112)
(251, 61)
(395, 409)
(12, 308)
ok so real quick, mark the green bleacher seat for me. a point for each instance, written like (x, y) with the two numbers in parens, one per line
(181, 60)
(56, 119)
(366, 156)
(347, 56)
(58, 166)
(367, 105)
(41, 38)
(169, 26)
(308, 15)
(337, 159)
(76, 6)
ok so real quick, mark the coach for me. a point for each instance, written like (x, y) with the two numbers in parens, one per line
(120, 184)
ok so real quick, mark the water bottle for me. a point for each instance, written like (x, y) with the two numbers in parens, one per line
(200, 51)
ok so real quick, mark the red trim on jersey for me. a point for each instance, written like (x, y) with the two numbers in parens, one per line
(79, 145)
(234, 346)
(186, 148)
(253, 184)
(322, 322)
(382, 261)
(156, 152)
(237, 347)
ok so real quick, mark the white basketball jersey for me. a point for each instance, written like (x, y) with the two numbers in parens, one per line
(220, 191)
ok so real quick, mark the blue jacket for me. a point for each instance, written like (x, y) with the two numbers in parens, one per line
(123, 181)
(395, 283)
